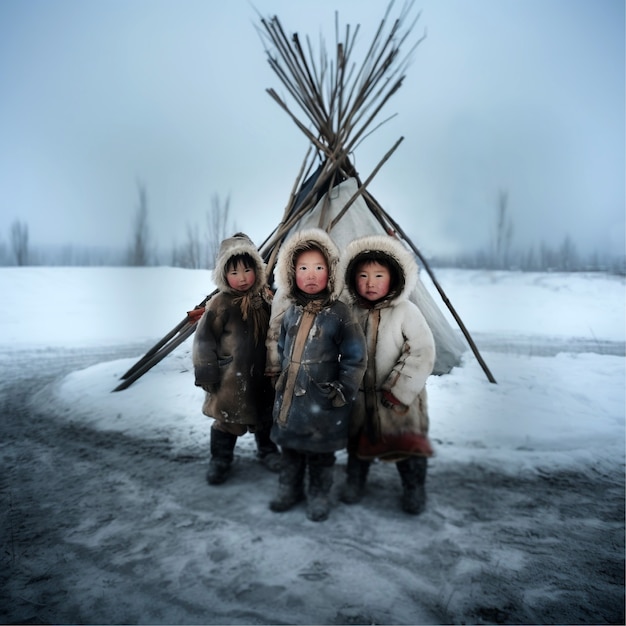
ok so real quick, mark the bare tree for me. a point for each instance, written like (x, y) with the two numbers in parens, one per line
(19, 242)
(188, 254)
(198, 253)
(138, 254)
(193, 248)
(568, 255)
(529, 260)
(504, 231)
(547, 258)
(4, 254)
(217, 227)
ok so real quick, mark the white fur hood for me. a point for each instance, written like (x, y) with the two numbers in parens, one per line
(390, 247)
(239, 243)
(298, 242)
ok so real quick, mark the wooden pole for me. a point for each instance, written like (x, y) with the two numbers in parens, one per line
(184, 329)
(443, 295)
(157, 357)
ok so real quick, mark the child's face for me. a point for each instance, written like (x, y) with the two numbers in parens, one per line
(372, 280)
(311, 272)
(240, 277)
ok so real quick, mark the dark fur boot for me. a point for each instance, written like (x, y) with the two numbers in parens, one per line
(290, 481)
(356, 475)
(321, 468)
(413, 475)
(222, 447)
(267, 451)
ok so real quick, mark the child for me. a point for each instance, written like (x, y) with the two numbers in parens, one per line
(322, 355)
(390, 416)
(229, 357)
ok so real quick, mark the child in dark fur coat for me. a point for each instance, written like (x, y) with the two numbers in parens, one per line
(229, 357)
(320, 351)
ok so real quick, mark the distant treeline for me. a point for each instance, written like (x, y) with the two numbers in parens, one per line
(200, 246)
(563, 258)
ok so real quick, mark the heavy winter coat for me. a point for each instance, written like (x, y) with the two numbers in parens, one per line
(401, 354)
(316, 390)
(228, 359)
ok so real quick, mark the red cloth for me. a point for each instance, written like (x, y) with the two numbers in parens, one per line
(394, 447)
(387, 395)
(195, 314)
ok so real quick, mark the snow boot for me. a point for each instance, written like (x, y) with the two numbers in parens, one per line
(321, 468)
(222, 452)
(290, 481)
(267, 451)
(356, 475)
(413, 475)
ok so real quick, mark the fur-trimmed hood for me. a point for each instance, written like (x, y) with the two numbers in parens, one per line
(239, 243)
(401, 259)
(299, 242)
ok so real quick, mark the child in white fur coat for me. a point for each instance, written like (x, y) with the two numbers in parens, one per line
(389, 420)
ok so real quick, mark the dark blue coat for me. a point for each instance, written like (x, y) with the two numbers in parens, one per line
(313, 415)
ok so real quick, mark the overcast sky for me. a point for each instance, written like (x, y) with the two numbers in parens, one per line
(525, 96)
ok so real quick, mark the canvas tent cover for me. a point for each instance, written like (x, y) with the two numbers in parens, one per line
(359, 220)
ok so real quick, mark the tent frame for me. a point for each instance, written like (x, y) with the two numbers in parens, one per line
(340, 101)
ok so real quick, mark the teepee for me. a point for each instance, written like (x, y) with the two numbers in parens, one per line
(339, 101)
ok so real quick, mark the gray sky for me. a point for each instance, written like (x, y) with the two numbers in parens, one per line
(521, 95)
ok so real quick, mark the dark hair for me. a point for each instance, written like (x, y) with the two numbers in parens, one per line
(307, 246)
(396, 275)
(244, 257)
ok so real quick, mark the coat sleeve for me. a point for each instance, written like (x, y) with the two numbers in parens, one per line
(204, 352)
(417, 358)
(273, 364)
(353, 348)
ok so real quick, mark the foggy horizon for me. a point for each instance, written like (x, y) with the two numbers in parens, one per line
(523, 97)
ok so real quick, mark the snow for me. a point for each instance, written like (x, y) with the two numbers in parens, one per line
(543, 410)
(553, 341)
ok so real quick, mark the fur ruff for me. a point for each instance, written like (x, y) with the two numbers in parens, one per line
(250, 302)
(302, 240)
(389, 246)
(233, 246)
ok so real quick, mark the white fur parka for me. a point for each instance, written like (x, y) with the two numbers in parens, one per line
(401, 348)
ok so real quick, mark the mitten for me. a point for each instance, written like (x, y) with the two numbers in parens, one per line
(388, 400)
(336, 395)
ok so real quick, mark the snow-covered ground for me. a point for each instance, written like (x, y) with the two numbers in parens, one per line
(543, 410)
(554, 343)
